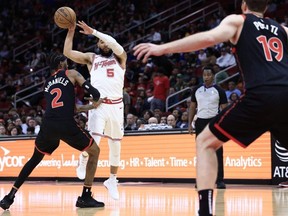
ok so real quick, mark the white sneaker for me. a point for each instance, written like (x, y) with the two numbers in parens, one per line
(111, 186)
(81, 169)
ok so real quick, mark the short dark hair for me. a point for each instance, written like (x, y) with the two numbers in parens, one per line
(54, 59)
(208, 68)
(257, 5)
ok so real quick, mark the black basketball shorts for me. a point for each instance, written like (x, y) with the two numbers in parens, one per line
(51, 132)
(258, 110)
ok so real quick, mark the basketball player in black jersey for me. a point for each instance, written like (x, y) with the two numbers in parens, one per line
(261, 51)
(59, 124)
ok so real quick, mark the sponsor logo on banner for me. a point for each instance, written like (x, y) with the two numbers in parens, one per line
(8, 160)
(280, 162)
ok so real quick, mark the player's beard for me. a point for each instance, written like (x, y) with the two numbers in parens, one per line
(106, 54)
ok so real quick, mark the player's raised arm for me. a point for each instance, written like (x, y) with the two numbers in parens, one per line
(117, 49)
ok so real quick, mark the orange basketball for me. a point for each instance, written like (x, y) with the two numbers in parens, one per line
(64, 17)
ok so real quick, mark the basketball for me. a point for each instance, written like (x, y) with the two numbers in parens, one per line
(64, 17)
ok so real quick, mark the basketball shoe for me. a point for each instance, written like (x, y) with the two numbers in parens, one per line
(111, 185)
(6, 202)
(81, 169)
(88, 202)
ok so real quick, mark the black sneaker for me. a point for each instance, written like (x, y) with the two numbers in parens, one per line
(88, 202)
(6, 202)
(221, 185)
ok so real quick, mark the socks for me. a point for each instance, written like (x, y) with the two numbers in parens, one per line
(205, 202)
(86, 191)
(113, 176)
(12, 193)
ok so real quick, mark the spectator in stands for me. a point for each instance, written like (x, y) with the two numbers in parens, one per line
(226, 59)
(31, 131)
(138, 108)
(193, 82)
(146, 115)
(233, 97)
(130, 123)
(157, 114)
(155, 36)
(144, 96)
(24, 126)
(17, 122)
(183, 123)
(153, 120)
(161, 90)
(210, 57)
(179, 85)
(177, 114)
(171, 121)
(163, 119)
(2, 130)
(14, 131)
(232, 89)
(9, 126)
(202, 56)
(32, 123)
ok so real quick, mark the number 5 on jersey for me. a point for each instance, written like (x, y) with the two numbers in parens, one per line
(110, 72)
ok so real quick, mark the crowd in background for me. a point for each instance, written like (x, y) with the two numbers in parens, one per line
(21, 21)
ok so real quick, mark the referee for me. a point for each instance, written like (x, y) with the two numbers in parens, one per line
(207, 100)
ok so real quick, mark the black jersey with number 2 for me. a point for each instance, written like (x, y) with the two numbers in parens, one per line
(265, 63)
(60, 96)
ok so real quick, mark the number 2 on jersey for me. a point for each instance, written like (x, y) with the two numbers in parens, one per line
(274, 44)
(55, 102)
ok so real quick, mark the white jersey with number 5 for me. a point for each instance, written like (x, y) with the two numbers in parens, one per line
(108, 119)
(107, 76)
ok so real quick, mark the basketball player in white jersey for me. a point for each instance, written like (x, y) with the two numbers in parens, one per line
(107, 75)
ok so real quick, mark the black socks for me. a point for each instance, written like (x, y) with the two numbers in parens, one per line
(12, 193)
(205, 202)
(86, 191)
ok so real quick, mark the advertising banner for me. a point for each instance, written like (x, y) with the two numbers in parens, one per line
(279, 162)
(143, 156)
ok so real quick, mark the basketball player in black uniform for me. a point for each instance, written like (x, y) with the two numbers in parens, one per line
(262, 54)
(59, 124)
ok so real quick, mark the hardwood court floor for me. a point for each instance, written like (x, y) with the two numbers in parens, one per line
(141, 199)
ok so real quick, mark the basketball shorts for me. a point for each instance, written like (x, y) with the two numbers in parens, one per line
(258, 110)
(51, 132)
(107, 120)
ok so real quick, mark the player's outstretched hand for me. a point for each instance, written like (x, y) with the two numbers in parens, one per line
(145, 50)
(85, 28)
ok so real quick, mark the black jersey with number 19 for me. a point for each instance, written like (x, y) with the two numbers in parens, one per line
(262, 53)
(60, 96)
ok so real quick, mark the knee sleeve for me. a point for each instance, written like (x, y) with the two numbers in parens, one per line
(114, 152)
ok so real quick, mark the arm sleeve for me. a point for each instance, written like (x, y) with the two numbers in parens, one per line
(110, 41)
(91, 90)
